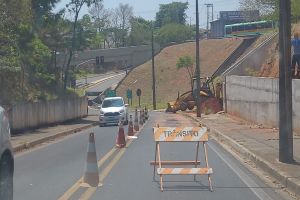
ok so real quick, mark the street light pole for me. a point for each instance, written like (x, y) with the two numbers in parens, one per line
(197, 63)
(285, 84)
(153, 71)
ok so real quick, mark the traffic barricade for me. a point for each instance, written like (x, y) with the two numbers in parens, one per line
(181, 134)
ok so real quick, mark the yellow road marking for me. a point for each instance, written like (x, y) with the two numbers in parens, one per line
(76, 186)
(90, 191)
(95, 83)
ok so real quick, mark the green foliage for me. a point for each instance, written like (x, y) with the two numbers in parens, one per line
(171, 13)
(184, 62)
(96, 41)
(55, 32)
(38, 59)
(252, 72)
(269, 9)
(174, 33)
(188, 63)
(295, 10)
(140, 31)
(41, 8)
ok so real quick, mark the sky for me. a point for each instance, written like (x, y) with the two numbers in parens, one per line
(148, 8)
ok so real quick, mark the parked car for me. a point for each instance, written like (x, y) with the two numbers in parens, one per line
(112, 110)
(6, 159)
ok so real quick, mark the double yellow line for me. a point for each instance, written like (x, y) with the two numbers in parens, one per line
(91, 190)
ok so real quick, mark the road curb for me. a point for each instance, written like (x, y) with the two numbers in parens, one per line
(265, 166)
(36, 142)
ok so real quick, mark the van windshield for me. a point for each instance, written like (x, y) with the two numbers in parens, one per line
(112, 103)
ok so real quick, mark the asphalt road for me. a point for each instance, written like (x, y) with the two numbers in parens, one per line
(53, 171)
(112, 81)
(95, 77)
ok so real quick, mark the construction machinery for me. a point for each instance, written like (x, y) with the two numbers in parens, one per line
(210, 102)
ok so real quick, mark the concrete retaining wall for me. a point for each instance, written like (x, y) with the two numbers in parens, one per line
(31, 115)
(256, 99)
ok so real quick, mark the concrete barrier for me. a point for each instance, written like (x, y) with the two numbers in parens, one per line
(256, 99)
(31, 115)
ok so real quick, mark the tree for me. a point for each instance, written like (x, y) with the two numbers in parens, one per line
(187, 63)
(41, 8)
(140, 31)
(269, 9)
(123, 15)
(295, 9)
(100, 15)
(174, 33)
(101, 19)
(171, 13)
(74, 7)
(14, 16)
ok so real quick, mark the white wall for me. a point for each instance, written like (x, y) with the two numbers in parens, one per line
(30, 115)
(256, 99)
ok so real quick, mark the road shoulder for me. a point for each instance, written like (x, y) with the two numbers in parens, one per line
(32, 138)
(256, 144)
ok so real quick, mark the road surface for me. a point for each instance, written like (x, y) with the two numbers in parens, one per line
(91, 78)
(109, 81)
(53, 171)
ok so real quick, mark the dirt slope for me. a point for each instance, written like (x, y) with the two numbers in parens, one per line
(170, 80)
(270, 67)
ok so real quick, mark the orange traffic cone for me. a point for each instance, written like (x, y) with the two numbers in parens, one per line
(136, 121)
(130, 127)
(121, 142)
(91, 174)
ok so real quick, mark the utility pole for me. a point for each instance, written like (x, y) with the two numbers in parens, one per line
(285, 84)
(197, 63)
(212, 12)
(153, 72)
(209, 5)
(207, 17)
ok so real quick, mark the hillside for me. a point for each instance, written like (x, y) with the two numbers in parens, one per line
(170, 80)
(270, 68)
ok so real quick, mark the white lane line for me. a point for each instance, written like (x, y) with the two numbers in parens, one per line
(260, 193)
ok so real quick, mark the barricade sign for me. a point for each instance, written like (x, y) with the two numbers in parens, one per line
(181, 134)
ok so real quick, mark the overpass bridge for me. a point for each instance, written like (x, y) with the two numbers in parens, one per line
(120, 57)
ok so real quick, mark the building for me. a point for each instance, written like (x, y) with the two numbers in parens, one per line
(231, 17)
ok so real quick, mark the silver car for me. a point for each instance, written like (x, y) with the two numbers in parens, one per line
(6, 159)
(112, 110)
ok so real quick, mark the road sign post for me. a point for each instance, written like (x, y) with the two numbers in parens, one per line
(129, 96)
(139, 93)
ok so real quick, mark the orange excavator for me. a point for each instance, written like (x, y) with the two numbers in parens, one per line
(210, 102)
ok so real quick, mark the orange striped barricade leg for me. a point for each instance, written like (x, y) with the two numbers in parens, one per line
(181, 134)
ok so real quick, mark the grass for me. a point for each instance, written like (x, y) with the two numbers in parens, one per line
(169, 79)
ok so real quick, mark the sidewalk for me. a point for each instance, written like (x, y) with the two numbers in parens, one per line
(31, 138)
(258, 144)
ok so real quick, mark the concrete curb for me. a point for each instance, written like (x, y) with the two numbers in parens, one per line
(265, 166)
(36, 142)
